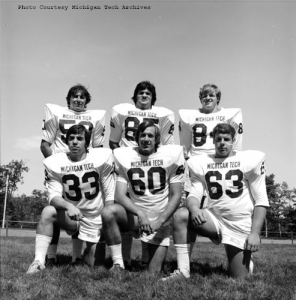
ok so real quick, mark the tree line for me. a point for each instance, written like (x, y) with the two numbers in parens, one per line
(280, 218)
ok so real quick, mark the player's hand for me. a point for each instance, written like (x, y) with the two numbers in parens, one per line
(198, 217)
(144, 223)
(252, 242)
(74, 213)
(155, 224)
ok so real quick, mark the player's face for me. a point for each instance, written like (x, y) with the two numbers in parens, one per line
(209, 102)
(77, 102)
(147, 141)
(144, 99)
(223, 145)
(76, 144)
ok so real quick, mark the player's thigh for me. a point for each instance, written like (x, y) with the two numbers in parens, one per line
(208, 229)
(157, 256)
(124, 219)
(65, 222)
(238, 261)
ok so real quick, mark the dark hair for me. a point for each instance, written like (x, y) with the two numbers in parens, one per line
(224, 128)
(209, 88)
(142, 127)
(78, 88)
(79, 129)
(143, 85)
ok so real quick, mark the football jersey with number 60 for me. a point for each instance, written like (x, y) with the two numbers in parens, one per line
(234, 184)
(148, 177)
(195, 128)
(57, 121)
(87, 184)
(126, 118)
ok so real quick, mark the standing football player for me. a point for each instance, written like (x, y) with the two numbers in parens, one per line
(79, 184)
(57, 121)
(235, 183)
(195, 126)
(152, 176)
(125, 119)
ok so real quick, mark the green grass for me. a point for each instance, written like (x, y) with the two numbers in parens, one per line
(274, 276)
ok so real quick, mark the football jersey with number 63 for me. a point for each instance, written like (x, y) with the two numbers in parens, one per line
(234, 184)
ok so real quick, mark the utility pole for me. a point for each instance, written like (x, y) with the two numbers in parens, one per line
(5, 199)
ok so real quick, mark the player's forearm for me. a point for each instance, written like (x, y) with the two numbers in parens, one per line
(258, 219)
(172, 206)
(127, 204)
(192, 204)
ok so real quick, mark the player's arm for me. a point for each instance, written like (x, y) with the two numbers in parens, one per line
(115, 129)
(122, 199)
(185, 134)
(174, 202)
(72, 211)
(45, 148)
(167, 129)
(253, 240)
(98, 133)
(257, 186)
(55, 188)
(237, 123)
(193, 201)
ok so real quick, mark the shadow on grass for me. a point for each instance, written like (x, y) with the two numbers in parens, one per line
(202, 269)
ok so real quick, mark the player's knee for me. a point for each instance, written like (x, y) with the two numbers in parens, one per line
(49, 214)
(180, 217)
(108, 213)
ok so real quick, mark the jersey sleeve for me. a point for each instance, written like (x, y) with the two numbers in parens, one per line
(167, 129)
(185, 133)
(257, 184)
(178, 167)
(237, 122)
(98, 134)
(52, 182)
(108, 179)
(197, 183)
(50, 125)
(119, 169)
(115, 126)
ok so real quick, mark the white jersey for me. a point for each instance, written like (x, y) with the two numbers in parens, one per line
(57, 121)
(235, 185)
(148, 177)
(126, 118)
(195, 129)
(87, 184)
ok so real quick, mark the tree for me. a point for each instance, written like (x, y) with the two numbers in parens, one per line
(14, 170)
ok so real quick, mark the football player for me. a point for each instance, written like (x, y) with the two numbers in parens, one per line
(235, 183)
(152, 176)
(79, 184)
(125, 119)
(57, 121)
(195, 126)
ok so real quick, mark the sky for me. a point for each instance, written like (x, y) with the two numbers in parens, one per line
(247, 48)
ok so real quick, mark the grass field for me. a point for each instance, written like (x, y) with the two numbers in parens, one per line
(274, 276)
